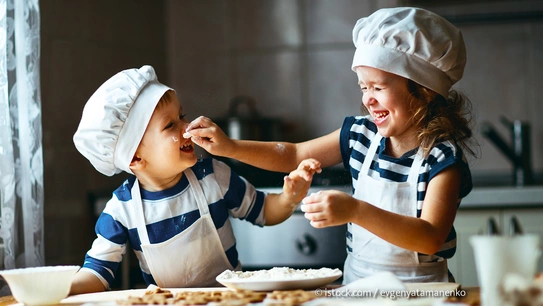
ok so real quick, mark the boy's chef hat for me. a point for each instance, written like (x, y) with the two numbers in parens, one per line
(116, 117)
(413, 43)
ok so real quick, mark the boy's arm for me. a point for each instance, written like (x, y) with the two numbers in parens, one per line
(273, 156)
(86, 282)
(278, 207)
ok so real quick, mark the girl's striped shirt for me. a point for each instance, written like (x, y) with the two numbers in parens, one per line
(355, 138)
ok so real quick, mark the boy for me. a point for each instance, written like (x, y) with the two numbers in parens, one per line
(180, 233)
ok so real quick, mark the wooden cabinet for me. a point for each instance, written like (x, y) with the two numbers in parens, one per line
(471, 222)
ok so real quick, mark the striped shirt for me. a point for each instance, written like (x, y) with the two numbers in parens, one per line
(355, 138)
(168, 213)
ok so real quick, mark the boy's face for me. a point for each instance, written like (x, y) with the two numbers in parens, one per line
(163, 149)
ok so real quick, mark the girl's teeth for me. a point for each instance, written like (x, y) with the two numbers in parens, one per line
(381, 115)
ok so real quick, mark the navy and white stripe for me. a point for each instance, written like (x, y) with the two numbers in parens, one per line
(169, 212)
(355, 138)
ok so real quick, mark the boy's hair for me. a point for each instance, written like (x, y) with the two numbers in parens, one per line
(441, 119)
(168, 96)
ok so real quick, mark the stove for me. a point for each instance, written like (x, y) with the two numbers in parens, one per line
(293, 243)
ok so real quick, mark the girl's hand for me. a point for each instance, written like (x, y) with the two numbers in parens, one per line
(329, 208)
(209, 136)
(297, 183)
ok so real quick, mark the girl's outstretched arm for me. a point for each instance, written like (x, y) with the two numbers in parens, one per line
(268, 155)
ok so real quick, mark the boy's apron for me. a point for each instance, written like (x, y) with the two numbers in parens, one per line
(371, 254)
(192, 258)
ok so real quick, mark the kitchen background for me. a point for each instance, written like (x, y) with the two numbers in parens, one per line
(292, 56)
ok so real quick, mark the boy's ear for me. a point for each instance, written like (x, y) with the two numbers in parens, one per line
(137, 163)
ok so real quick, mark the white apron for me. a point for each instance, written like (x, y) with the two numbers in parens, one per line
(192, 258)
(371, 254)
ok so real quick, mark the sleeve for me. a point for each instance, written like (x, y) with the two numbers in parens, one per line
(242, 199)
(355, 138)
(108, 248)
(344, 143)
(445, 155)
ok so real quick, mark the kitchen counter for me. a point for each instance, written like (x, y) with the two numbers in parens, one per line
(108, 298)
(503, 197)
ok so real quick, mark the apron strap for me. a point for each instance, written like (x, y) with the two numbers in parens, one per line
(415, 167)
(140, 217)
(365, 170)
(376, 141)
(138, 204)
(198, 192)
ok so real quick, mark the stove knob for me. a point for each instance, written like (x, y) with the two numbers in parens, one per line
(307, 245)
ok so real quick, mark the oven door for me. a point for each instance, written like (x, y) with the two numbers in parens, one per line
(293, 243)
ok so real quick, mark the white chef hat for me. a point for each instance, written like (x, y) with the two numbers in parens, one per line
(413, 43)
(116, 117)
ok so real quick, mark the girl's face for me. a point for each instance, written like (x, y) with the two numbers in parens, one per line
(386, 97)
(164, 150)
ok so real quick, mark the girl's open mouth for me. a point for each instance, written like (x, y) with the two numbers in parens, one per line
(380, 116)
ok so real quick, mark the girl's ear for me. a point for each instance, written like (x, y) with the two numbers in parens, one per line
(137, 163)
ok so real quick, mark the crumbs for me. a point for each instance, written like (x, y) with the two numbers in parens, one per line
(159, 296)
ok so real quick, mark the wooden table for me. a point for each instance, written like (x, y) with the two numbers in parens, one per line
(471, 298)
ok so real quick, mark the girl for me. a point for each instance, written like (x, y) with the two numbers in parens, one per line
(406, 158)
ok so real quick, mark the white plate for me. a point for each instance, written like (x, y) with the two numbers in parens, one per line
(289, 284)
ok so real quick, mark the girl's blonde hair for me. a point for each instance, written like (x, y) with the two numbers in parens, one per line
(441, 119)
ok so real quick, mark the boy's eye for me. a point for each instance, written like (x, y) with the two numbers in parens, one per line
(169, 125)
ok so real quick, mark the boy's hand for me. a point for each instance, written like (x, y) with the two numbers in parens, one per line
(297, 183)
(208, 135)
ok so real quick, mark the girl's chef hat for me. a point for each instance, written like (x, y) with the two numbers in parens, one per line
(413, 43)
(116, 117)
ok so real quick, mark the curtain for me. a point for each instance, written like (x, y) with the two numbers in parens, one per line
(21, 159)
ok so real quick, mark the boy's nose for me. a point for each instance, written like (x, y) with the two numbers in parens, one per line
(182, 128)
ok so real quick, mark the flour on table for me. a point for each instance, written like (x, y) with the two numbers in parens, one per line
(278, 274)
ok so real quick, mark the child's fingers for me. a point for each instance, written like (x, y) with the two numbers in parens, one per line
(200, 141)
(200, 122)
(310, 164)
(310, 208)
(304, 174)
(198, 127)
(313, 198)
(320, 223)
(288, 182)
(316, 217)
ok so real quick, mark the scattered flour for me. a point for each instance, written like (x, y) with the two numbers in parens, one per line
(278, 274)
(280, 148)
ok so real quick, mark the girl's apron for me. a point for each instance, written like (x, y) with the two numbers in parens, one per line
(371, 254)
(192, 258)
